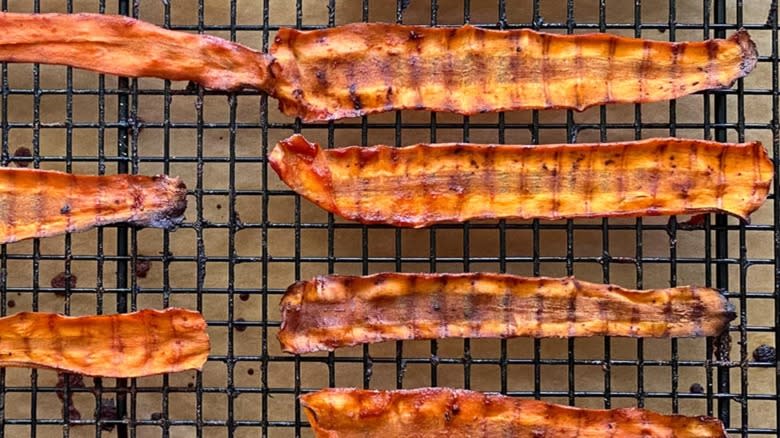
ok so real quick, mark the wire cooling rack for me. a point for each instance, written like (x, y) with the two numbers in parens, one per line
(247, 236)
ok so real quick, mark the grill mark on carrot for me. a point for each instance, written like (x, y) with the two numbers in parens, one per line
(58, 350)
(556, 172)
(668, 312)
(489, 176)
(514, 64)
(655, 177)
(635, 318)
(712, 53)
(756, 175)
(578, 101)
(571, 310)
(721, 179)
(420, 196)
(539, 314)
(698, 310)
(613, 42)
(40, 201)
(545, 76)
(506, 308)
(674, 71)
(642, 73)
(588, 184)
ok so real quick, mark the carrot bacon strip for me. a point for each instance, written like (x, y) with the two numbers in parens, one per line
(128, 345)
(338, 311)
(420, 185)
(127, 47)
(453, 413)
(42, 203)
(363, 68)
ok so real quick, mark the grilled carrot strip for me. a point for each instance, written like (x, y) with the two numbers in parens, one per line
(42, 203)
(360, 69)
(127, 47)
(420, 185)
(454, 413)
(128, 345)
(339, 311)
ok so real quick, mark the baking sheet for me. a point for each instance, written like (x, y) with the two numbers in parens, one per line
(182, 275)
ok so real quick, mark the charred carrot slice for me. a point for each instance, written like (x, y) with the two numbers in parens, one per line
(128, 345)
(454, 413)
(338, 311)
(42, 203)
(420, 185)
(363, 68)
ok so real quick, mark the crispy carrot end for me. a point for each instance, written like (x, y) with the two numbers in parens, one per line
(42, 203)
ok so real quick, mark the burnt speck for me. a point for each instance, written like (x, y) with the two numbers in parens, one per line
(107, 412)
(722, 347)
(696, 222)
(191, 87)
(61, 280)
(20, 156)
(11, 303)
(414, 35)
(72, 381)
(65, 209)
(190, 385)
(696, 388)
(142, 268)
(609, 162)
(243, 297)
(219, 206)
(240, 327)
(156, 416)
(250, 371)
(765, 353)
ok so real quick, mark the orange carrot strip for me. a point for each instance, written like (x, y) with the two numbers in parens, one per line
(42, 203)
(420, 185)
(135, 344)
(364, 68)
(127, 47)
(454, 413)
(339, 311)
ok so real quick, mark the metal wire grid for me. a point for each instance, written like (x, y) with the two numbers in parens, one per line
(116, 249)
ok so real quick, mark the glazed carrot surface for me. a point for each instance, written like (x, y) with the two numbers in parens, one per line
(42, 203)
(128, 345)
(452, 413)
(338, 311)
(365, 68)
(421, 185)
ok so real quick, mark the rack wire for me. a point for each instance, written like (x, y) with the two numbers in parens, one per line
(247, 236)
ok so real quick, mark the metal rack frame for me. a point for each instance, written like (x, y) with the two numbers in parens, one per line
(125, 156)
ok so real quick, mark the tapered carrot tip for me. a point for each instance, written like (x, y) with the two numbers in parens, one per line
(137, 344)
(749, 51)
(42, 203)
(454, 413)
